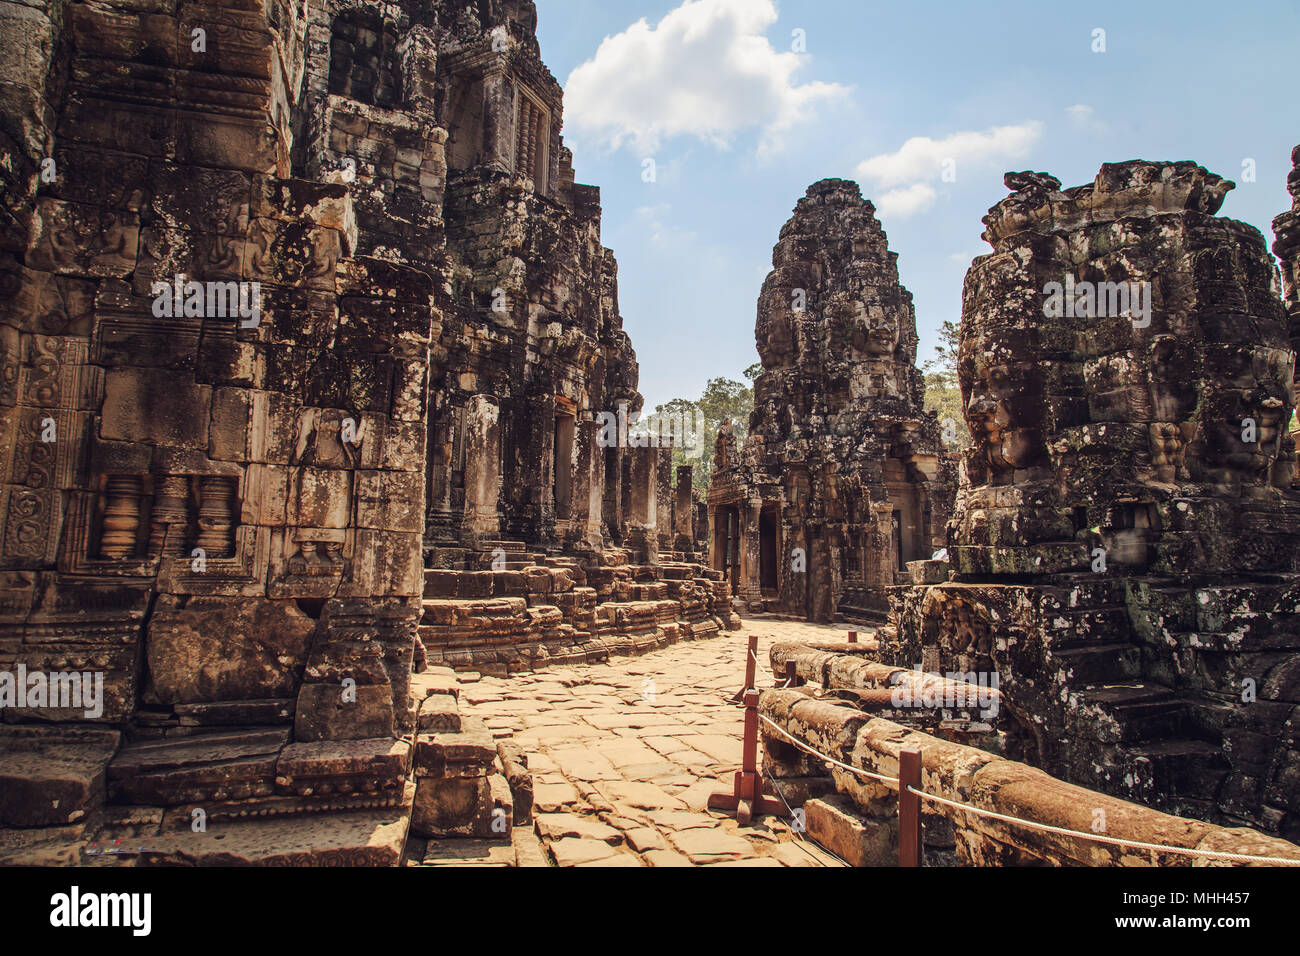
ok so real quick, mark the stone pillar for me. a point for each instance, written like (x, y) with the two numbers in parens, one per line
(498, 101)
(217, 516)
(684, 512)
(792, 584)
(121, 516)
(717, 539)
(821, 578)
(588, 482)
(170, 516)
(445, 436)
(482, 469)
(642, 530)
(664, 495)
(751, 588)
(612, 492)
(884, 562)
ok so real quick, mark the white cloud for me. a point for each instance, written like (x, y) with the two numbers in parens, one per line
(906, 201)
(705, 70)
(922, 158)
(654, 222)
(1085, 118)
(1080, 112)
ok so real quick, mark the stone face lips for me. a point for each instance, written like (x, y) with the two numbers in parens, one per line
(841, 464)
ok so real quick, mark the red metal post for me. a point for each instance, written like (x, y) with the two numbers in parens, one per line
(909, 807)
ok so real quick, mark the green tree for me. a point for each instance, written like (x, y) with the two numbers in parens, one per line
(724, 399)
(942, 391)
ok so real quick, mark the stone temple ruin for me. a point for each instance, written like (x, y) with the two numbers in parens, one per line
(1122, 552)
(310, 345)
(306, 330)
(843, 479)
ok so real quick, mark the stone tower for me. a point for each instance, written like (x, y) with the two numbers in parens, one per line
(1125, 550)
(294, 297)
(842, 480)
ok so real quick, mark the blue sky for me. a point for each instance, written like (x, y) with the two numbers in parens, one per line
(739, 124)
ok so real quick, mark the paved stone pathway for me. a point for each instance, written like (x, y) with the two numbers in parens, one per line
(625, 754)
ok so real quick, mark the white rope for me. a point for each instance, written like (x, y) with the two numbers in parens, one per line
(1098, 838)
(980, 811)
(803, 746)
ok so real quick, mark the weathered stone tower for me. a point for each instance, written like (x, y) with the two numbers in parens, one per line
(293, 296)
(842, 479)
(1125, 552)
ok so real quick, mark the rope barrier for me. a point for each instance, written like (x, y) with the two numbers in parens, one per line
(1032, 824)
(798, 833)
(1097, 837)
(803, 746)
(1006, 818)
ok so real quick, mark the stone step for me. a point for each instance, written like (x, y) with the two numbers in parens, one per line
(366, 835)
(488, 546)
(52, 776)
(1143, 711)
(1098, 663)
(1074, 627)
(224, 766)
(1179, 767)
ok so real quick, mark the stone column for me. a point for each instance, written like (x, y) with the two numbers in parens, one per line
(482, 469)
(642, 533)
(170, 516)
(821, 577)
(121, 516)
(217, 516)
(683, 512)
(612, 491)
(751, 588)
(664, 495)
(718, 539)
(445, 435)
(499, 102)
(588, 482)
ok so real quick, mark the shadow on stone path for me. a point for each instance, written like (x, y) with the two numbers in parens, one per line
(625, 754)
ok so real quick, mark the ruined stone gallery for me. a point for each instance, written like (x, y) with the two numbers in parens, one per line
(315, 462)
(267, 530)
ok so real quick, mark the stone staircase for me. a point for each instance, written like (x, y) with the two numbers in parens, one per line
(218, 790)
(500, 609)
(1144, 739)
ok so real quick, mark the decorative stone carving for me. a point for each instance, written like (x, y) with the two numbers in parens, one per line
(1129, 524)
(838, 442)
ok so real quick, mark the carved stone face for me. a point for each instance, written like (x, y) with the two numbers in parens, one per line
(1248, 395)
(1003, 408)
(1173, 394)
(874, 335)
(780, 336)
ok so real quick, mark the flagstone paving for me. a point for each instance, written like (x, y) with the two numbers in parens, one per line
(625, 754)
